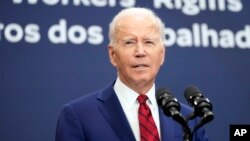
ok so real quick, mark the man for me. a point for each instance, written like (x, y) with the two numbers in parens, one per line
(116, 113)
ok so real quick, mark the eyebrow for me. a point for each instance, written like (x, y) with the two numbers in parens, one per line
(151, 38)
(128, 37)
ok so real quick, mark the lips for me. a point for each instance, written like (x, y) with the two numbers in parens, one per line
(140, 66)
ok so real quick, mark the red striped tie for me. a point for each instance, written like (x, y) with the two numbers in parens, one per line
(148, 129)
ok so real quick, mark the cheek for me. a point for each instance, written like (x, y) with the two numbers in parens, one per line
(158, 58)
(121, 61)
(157, 63)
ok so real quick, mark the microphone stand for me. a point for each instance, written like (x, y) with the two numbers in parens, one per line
(187, 136)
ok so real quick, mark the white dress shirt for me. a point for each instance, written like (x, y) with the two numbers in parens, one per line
(130, 105)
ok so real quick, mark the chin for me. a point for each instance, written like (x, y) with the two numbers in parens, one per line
(142, 80)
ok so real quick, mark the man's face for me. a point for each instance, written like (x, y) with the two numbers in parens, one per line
(138, 52)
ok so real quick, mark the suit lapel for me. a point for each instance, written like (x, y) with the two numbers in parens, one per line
(167, 127)
(110, 107)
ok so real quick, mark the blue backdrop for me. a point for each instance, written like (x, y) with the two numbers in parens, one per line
(54, 51)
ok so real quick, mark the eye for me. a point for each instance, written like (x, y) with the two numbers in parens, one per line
(129, 42)
(149, 43)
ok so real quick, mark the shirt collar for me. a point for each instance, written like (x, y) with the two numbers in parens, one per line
(128, 97)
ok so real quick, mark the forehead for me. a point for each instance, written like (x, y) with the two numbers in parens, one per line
(137, 25)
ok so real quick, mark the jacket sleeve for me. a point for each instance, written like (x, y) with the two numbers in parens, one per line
(68, 126)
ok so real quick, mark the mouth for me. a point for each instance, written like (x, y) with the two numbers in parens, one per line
(140, 66)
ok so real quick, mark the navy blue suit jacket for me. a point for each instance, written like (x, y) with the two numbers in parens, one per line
(100, 117)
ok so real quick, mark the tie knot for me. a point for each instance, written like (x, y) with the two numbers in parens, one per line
(142, 98)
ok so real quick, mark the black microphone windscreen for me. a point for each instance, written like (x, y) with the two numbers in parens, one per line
(162, 91)
(191, 91)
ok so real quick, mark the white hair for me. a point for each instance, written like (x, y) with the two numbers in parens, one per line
(135, 11)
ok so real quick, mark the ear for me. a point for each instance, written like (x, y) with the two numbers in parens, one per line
(112, 55)
(163, 54)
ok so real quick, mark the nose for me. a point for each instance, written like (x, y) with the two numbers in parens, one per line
(140, 50)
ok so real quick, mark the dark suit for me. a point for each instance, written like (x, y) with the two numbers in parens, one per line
(99, 117)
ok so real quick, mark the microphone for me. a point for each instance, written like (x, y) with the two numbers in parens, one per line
(170, 105)
(202, 106)
(171, 108)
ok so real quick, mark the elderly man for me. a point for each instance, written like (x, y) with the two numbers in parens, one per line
(126, 110)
